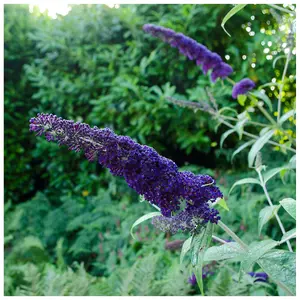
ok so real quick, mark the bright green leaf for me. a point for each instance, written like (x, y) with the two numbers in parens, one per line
(223, 204)
(231, 13)
(242, 99)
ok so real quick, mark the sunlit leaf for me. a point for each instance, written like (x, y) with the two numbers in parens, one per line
(286, 116)
(223, 204)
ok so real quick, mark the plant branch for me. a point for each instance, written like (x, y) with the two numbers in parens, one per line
(271, 204)
(288, 11)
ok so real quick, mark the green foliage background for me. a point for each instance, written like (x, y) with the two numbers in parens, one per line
(67, 221)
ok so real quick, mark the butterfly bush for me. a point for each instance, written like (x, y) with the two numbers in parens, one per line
(148, 173)
(192, 50)
(242, 87)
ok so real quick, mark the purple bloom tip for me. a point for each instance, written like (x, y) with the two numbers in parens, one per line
(242, 87)
(193, 50)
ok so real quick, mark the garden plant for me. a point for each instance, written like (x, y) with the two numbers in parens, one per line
(235, 239)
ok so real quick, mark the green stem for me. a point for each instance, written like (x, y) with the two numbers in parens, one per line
(232, 234)
(244, 246)
(282, 9)
(271, 204)
(282, 84)
(254, 136)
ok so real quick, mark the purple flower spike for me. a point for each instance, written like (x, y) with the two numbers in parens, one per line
(192, 50)
(261, 277)
(242, 87)
(148, 173)
(222, 70)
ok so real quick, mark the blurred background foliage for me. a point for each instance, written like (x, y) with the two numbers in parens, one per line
(67, 221)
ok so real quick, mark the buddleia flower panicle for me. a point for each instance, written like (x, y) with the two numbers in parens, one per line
(242, 87)
(148, 173)
(192, 50)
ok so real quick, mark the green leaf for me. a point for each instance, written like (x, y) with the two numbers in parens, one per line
(280, 265)
(185, 248)
(200, 243)
(292, 162)
(239, 127)
(225, 135)
(264, 98)
(289, 204)
(265, 215)
(289, 235)
(223, 204)
(271, 173)
(286, 116)
(255, 251)
(244, 181)
(258, 145)
(142, 219)
(231, 13)
(232, 251)
(242, 99)
(241, 148)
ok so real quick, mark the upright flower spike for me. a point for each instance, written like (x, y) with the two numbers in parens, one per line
(150, 174)
(192, 50)
(242, 87)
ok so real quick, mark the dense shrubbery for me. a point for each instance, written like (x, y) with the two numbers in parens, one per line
(97, 65)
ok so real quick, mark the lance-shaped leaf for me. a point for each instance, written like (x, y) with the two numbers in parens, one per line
(142, 219)
(241, 148)
(286, 116)
(291, 234)
(264, 98)
(200, 243)
(255, 251)
(223, 204)
(231, 251)
(289, 204)
(244, 181)
(185, 248)
(231, 13)
(280, 265)
(225, 135)
(265, 215)
(258, 145)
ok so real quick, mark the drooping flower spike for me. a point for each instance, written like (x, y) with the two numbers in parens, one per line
(193, 50)
(148, 173)
(242, 87)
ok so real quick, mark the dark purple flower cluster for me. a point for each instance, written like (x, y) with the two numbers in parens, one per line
(260, 277)
(193, 50)
(150, 174)
(242, 87)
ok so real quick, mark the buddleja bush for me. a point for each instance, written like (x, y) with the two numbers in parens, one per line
(187, 202)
